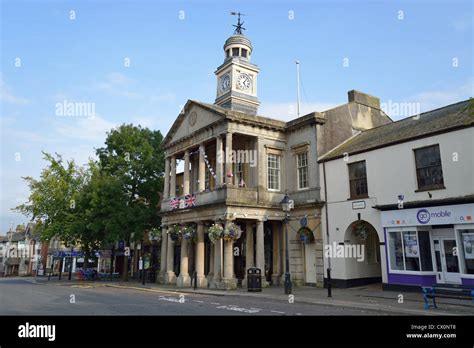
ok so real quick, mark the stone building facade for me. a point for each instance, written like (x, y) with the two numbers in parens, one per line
(238, 166)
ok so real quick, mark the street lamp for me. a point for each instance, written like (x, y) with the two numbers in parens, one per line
(287, 205)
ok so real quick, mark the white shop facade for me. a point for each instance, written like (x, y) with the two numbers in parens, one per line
(428, 245)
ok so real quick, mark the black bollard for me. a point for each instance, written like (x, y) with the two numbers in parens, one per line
(143, 276)
(329, 283)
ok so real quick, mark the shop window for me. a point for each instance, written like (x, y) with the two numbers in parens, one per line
(412, 254)
(410, 251)
(396, 251)
(425, 251)
(429, 172)
(358, 180)
(467, 241)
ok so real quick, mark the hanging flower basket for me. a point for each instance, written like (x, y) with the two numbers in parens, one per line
(361, 231)
(189, 233)
(155, 234)
(306, 236)
(232, 232)
(216, 232)
(175, 232)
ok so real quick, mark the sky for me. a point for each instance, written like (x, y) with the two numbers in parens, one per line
(140, 61)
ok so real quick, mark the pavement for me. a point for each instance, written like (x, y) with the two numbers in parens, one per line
(367, 298)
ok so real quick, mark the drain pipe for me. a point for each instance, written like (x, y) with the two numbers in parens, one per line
(327, 230)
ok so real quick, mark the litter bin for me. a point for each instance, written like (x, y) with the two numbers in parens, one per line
(254, 279)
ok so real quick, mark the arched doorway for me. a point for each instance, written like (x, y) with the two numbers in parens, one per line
(362, 254)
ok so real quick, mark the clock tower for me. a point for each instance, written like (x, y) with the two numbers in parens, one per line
(237, 76)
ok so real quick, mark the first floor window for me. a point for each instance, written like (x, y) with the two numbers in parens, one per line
(302, 167)
(467, 241)
(429, 172)
(239, 174)
(358, 180)
(207, 184)
(273, 172)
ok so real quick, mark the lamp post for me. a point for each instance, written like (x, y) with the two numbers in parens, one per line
(286, 205)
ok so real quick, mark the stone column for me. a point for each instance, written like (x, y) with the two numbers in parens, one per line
(276, 276)
(216, 280)
(166, 191)
(228, 159)
(201, 169)
(184, 279)
(186, 173)
(260, 254)
(164, 240)
(230, 282)
(210, 275)
(170, 277)
(201, 279)
(220, 158)
(173, 177)
(249, 259)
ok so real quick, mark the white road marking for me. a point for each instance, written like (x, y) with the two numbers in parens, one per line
(198, 301)
(298, 314)
(278, 312)
(238, 309)
(171, 299)
(215, 303)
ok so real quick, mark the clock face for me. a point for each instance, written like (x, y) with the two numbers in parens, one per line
(225, 82)
(244, 81)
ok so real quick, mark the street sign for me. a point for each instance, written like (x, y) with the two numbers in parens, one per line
(127, 251)
(140, 264)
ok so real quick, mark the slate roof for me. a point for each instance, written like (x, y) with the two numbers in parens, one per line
(445, 119)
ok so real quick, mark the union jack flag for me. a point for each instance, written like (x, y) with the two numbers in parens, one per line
(174, 203)
(190, 201)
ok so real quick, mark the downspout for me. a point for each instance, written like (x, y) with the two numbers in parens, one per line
(327, 228)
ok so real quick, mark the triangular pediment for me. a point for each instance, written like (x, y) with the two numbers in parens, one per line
(194, 116)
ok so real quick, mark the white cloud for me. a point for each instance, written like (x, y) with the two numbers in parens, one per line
(287, 111)
(7, 96)
(430, 100)
(118, 84)
(82, 128)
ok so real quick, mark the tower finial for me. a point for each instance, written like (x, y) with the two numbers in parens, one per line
(238, 27)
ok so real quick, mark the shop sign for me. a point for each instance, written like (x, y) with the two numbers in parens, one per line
(440, 215)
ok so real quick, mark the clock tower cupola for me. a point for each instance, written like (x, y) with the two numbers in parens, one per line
(237, 76)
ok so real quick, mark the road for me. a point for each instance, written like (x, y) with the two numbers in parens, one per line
(25, 296)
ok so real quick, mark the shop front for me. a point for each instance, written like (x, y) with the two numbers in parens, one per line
(429, 245)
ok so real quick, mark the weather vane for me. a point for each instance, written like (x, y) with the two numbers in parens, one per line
(238, 27)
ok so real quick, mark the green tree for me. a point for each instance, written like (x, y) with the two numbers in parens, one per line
(133, 155)
(51, 199)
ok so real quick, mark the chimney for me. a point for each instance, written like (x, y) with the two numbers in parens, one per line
(364, 99)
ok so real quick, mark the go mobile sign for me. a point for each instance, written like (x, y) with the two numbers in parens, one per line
(440, 215)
